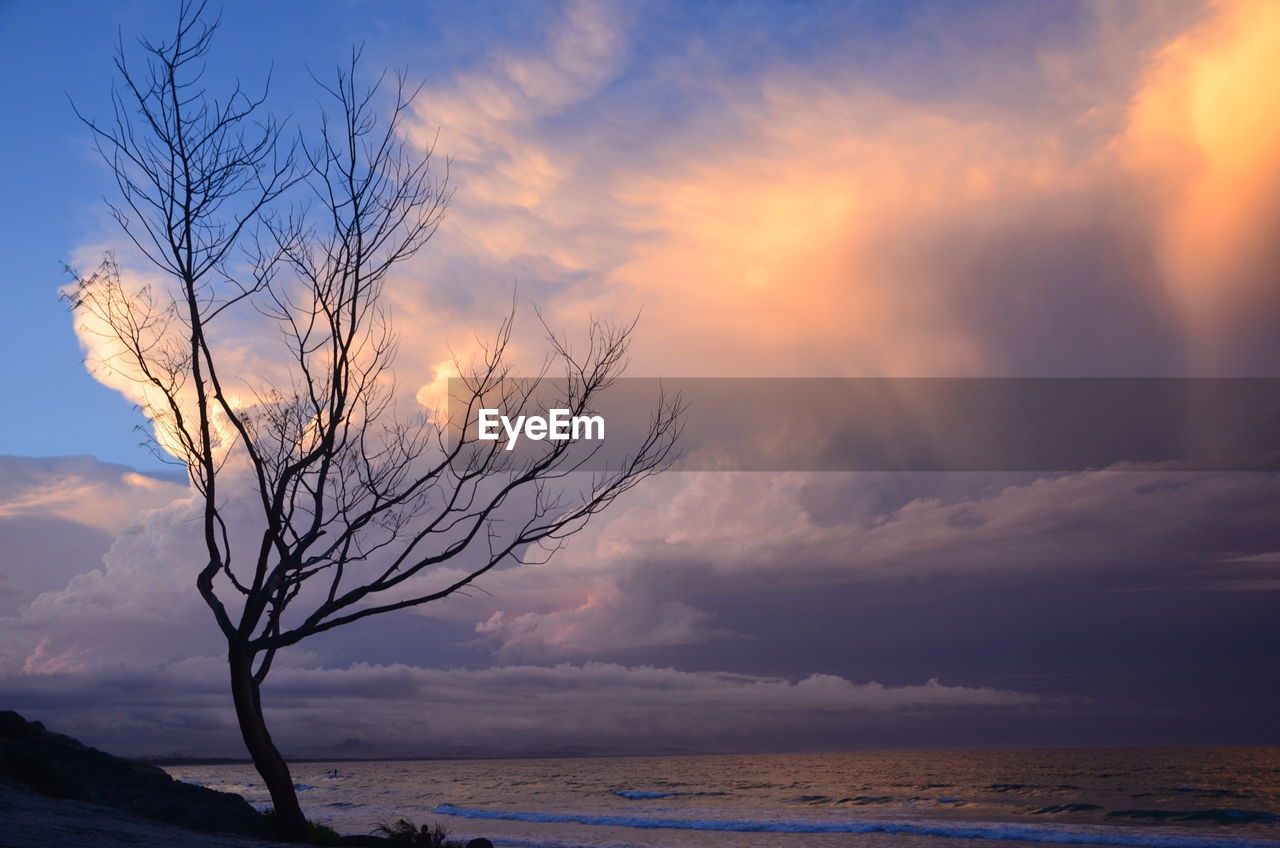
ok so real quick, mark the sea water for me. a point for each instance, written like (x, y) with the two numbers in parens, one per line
(1142, 797)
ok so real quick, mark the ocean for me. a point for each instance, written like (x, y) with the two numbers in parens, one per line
(1147, 797)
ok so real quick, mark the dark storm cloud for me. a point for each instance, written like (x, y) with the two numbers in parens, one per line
(411, 710)
(1147, 594)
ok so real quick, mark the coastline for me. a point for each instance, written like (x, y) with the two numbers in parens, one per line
(30, 820)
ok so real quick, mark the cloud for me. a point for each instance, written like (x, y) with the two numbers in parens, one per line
(157, 682)
(43, 661)
(1011, 211)
(147, 575)
(677, 556)
(1070, 192)
(501, 708)
(840, 527)
(613, 618)
(624, 586)
(1096, 203)
(1202, 140)
(79, 490)
(804, 216)
(58, 517)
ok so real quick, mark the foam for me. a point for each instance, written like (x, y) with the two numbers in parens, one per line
(967, 830)
(642, 795)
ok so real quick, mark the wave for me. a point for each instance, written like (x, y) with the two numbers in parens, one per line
(1219, 816)
(1054, 809)
(641, 795)
(969, 830)
(859, 801)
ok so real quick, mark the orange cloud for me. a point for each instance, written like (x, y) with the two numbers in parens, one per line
(789, 251)
(800, 224)
(80, 490)
(45, 661)
(1205, 135)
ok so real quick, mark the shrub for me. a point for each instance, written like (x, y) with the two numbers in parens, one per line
(406, 833)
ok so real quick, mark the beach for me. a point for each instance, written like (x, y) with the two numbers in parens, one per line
(1128, 797)
(1139, 797)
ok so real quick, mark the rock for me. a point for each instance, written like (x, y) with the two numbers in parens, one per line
(479, 842)
(34, 759)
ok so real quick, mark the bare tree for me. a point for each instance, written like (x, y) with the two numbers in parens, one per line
(355, 500)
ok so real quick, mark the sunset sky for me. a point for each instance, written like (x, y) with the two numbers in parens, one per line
(844, 189)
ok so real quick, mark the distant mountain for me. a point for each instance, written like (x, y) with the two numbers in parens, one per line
(359, 749)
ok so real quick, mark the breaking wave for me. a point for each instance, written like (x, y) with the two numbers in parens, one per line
(641, 795)
(968, 830)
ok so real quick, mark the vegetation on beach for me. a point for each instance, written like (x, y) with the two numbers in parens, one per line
(406, 833)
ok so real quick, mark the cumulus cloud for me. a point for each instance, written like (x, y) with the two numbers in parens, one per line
(58, 517)
(616, 587)
(79, 490)
(620, 587)
(616, 616)
(45, 661)
(147, 575)
(837, 530)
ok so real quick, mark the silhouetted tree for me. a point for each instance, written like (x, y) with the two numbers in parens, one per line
(354, 499)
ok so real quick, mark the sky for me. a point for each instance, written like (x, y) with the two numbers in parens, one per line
(866, 189)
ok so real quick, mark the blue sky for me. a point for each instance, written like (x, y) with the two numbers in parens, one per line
(54, 186)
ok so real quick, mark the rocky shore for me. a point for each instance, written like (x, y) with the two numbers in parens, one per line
(56, 792)
(30, 820)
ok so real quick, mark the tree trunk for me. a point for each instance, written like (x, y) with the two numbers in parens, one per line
(289, 822)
